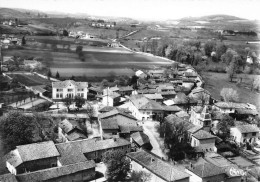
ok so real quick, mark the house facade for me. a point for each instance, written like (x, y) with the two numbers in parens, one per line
(159, 170)
(201, 116)
(203, 141)
(245, 133)
(69, 88)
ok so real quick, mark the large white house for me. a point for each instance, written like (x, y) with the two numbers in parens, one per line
(245, 133)
(69, 88)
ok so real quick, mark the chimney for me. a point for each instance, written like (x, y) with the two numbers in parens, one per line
(152, 160)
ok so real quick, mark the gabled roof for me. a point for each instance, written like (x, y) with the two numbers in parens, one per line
(126, 88)
(205, 169)
(155, 71)
(154, 96)
(202, 134)
(190, 74)
(96, 89)
(130, 128)
(55, 172)
(157, 166)
(115, 112)
(112, 95)
(172, 108)
(147, 91)
(195, 129)
(109, 124)
(66, 83)
(68, 126)
(140, 138)
(73, 151)
(106, 109)
(139, 72)
(231, 105)
(182, 114)
(144, 103)
(248, 128)
(31, 152)
(199, 90)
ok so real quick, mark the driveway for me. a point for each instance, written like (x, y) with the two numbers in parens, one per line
(156, 141)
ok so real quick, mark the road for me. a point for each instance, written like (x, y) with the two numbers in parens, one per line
(156, 141)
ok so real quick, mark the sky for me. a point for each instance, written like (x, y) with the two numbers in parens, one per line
(144, 9)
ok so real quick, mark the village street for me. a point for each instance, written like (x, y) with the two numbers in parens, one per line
(157, 143)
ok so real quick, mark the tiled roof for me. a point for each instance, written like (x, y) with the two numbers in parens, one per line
(147, 91)
(195, 129)
(67, 125)
(156, 71)
(30, 152)
(115, 112)
(144, 103)
(167, 93)
(72, 152)
(51, 173)
(206, 169)
(182, 114)
(8, 178)
(108, 124)
(66, 83)
(202, 134)
(172, 108)
(140, 138)
(199, 90)
(247, 111)
(190, 74)
(229, 105)
(130, 128)
(153, 96)
(247, 128)
(126, 88)
(39, 88)
(96, 89)
(112, 95)
(157, 166)
(76, 135)
(106, 109)
(139, 72)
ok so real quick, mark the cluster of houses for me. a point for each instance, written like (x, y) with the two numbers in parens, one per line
(102, 25)
(8, 40)
(9, 61)
(81, 35)
(174, 95)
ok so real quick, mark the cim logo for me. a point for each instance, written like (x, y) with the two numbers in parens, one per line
(236, 172)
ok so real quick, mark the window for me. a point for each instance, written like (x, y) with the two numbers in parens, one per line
(59, 90)
(245, 134)
(57, 95)
(82, 94)
(61, 95)
(80, 89)
(70, 90)
(254, 134)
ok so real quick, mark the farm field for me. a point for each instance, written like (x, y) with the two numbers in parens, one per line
(216, 81)
(96, 63)
(30, 79)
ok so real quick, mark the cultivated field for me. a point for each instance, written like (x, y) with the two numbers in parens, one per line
(217, 81)
(30, 80)
(97, 62)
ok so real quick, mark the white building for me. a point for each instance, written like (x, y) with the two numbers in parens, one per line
(69, 88)
(245, 133)
(203, 141)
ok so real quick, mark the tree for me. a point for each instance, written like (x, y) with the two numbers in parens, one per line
(16, 128)
(118, 166)
(140, 176)
(209, 47)
(104, 83)
(67, 102)
(23, 40)
(232, 69)
(220, 50)
(65, 33)
(229, 95)
(79, 101)
(57, 75)
(176, 138)
(49, 74)
(224, 125)
(90, 111)
(72, 77)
